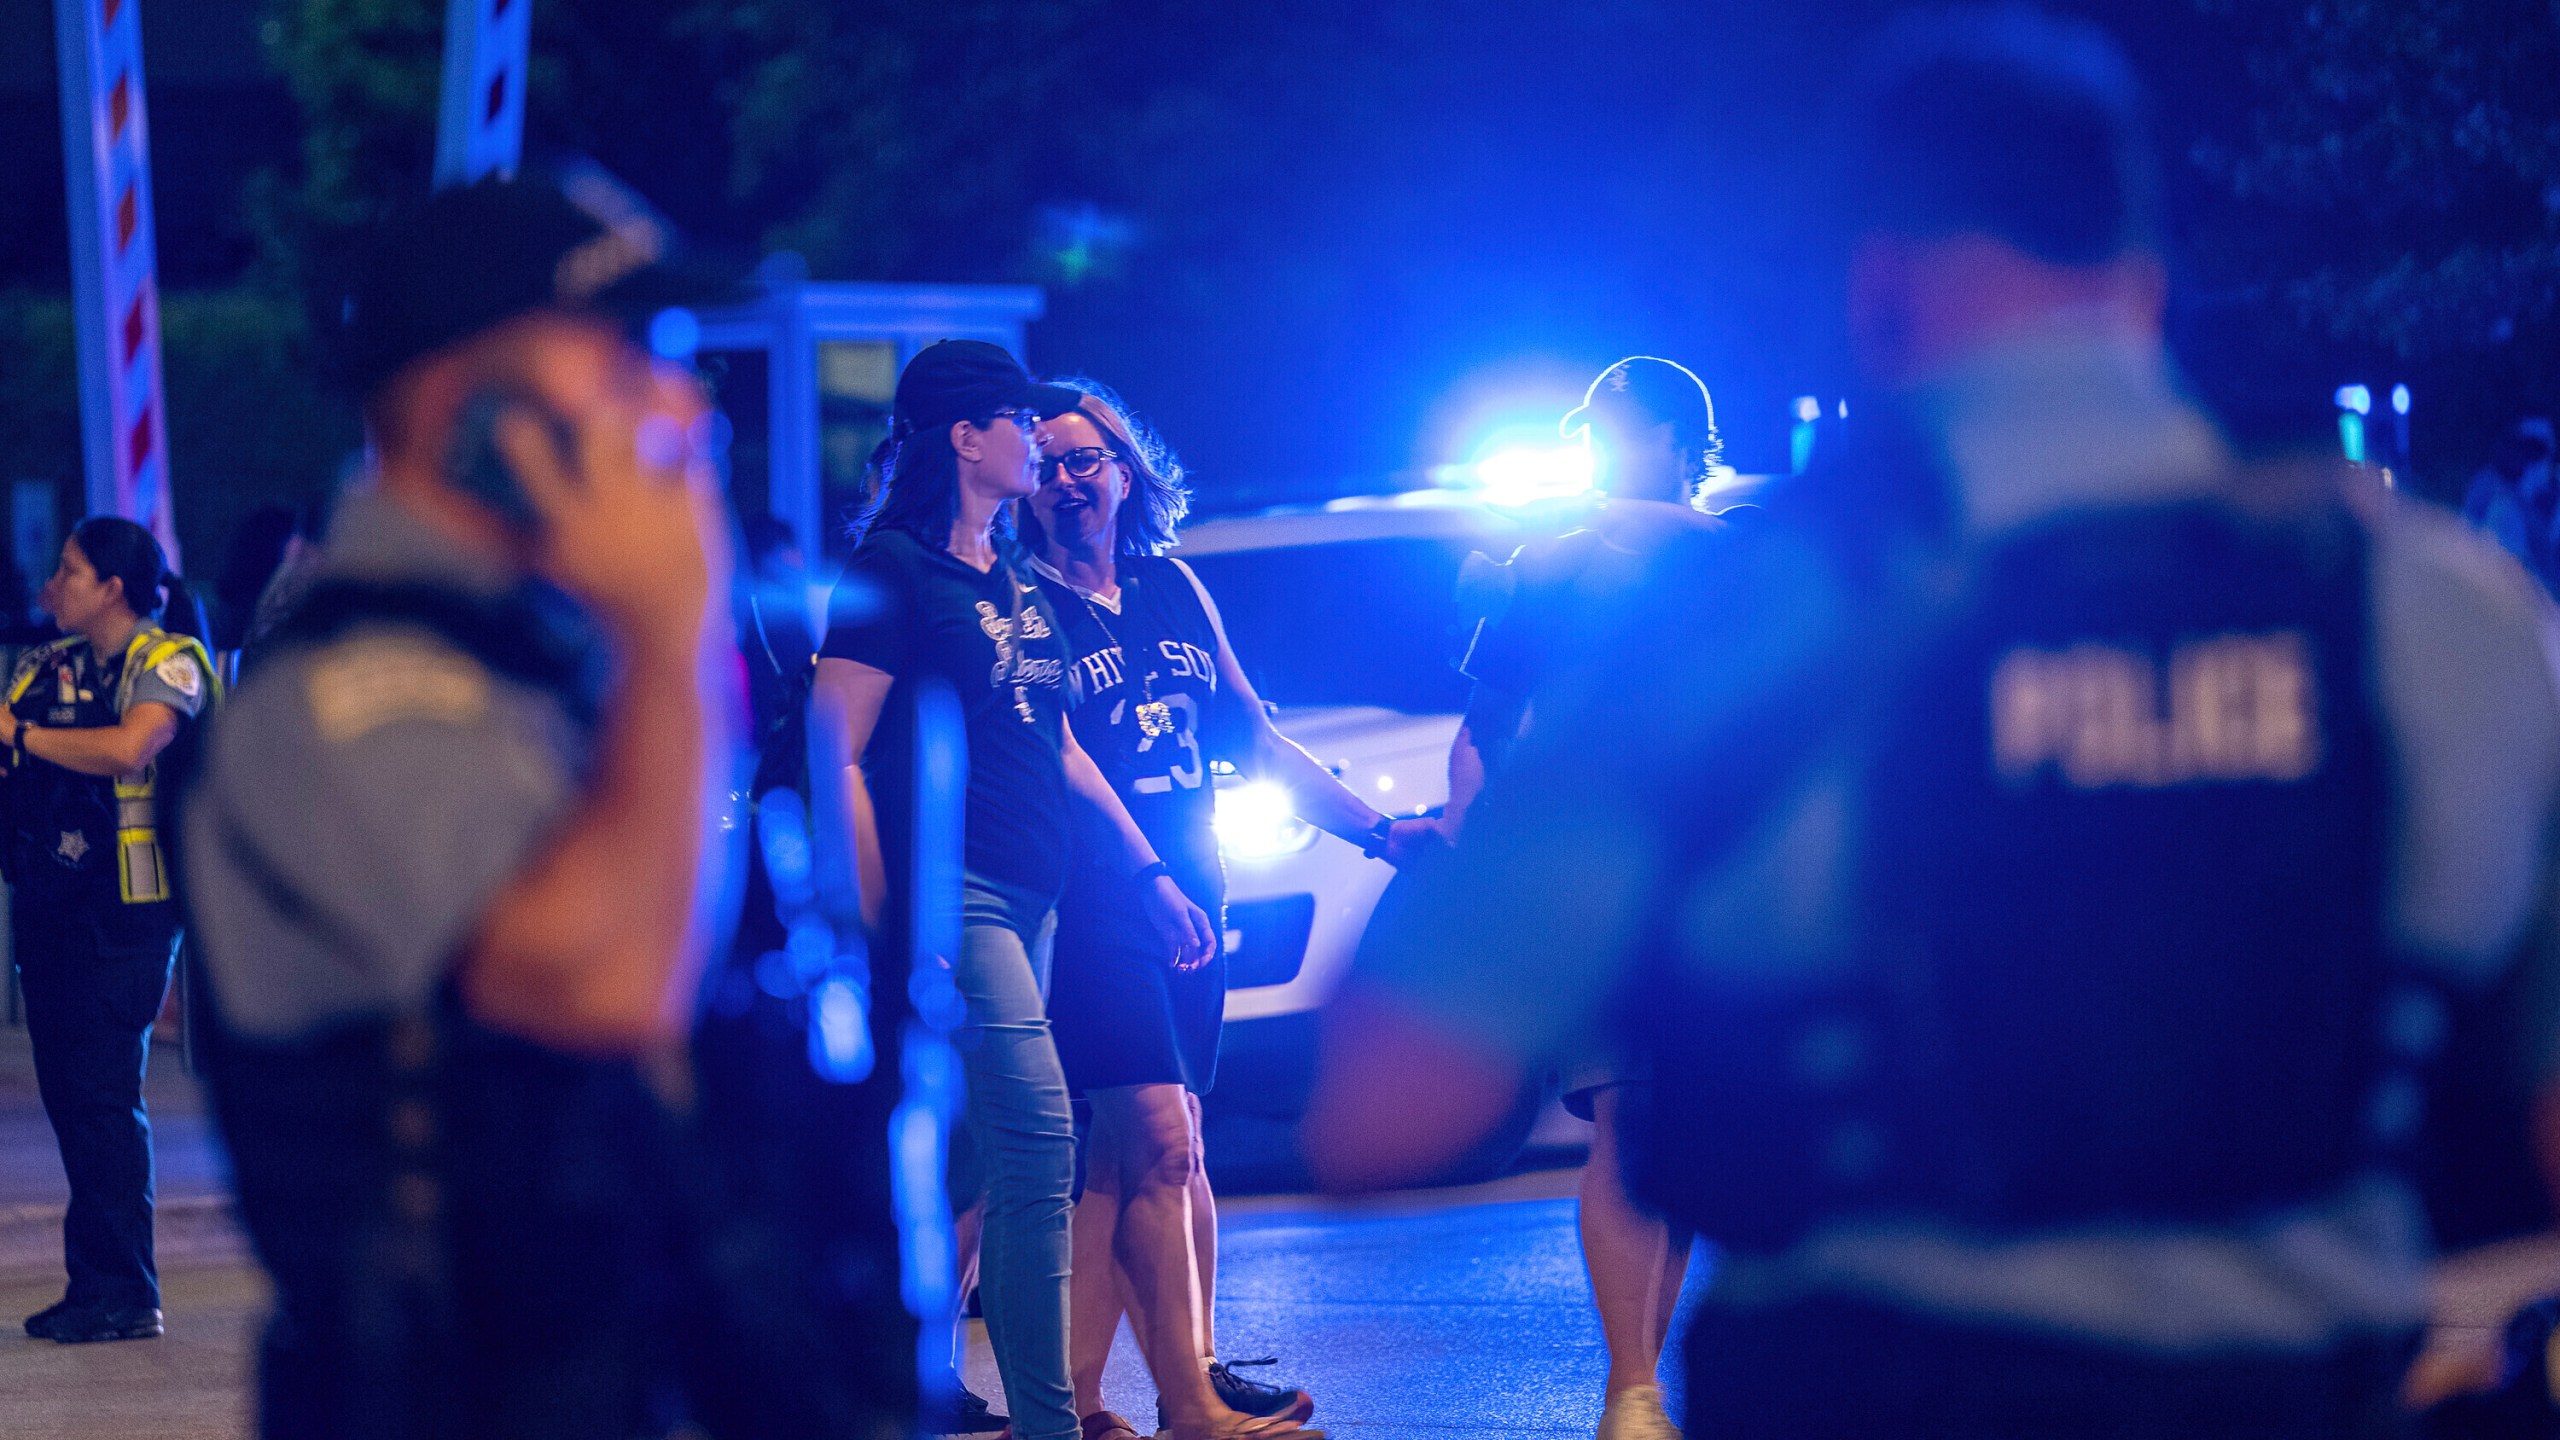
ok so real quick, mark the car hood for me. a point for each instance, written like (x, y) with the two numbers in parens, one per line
(1334, 733)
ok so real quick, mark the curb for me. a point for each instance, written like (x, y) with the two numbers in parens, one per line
(186, 1230)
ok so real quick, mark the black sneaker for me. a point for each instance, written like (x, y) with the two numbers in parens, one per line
(40, 1324)
(1252, 1397)
(963, 1414)
(88, 1327)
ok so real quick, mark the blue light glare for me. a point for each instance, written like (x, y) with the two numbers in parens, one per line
(840, 1032)
(674, 334)
(1808, 409)
(1522, 463)
(2399, 399)
(2357, 398)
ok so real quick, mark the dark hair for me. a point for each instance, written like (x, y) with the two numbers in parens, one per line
(118, 549)
(1158, 496)
(2005, 121)
(919, 479)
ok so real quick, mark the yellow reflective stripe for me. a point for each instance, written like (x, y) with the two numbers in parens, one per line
(32, 666)
(139, 874)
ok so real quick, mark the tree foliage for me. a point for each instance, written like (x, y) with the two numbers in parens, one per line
(2415, 146)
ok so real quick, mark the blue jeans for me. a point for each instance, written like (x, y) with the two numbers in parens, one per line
(1023, 1137)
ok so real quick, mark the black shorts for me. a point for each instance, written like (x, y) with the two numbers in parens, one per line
(1125, 1016)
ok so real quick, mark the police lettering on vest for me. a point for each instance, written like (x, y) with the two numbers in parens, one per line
(2116, 948)
(2237, 707)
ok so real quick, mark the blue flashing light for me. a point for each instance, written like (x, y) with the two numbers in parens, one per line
(2399, 399)
(2351, 436)
(1522, 464)
(1808, 409)
(840, 1032)
(2357, 398)
(674, 334)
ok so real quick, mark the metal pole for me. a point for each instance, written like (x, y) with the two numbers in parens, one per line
(115, 292)
(480, 128)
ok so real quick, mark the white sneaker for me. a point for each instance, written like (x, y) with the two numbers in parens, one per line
(1635, 1413)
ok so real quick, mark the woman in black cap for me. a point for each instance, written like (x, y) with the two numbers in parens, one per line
(97, 727)
(937, 594)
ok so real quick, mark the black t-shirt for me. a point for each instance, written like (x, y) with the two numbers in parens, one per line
(917, 613)
(1150, 711)
(1568, 596)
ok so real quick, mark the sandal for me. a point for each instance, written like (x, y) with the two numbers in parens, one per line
(1103, 1425)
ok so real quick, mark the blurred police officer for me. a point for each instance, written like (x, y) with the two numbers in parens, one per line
(452, 856)
(2045, 861)
(1651, 428)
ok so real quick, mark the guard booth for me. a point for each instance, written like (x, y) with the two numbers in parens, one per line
(805, 376)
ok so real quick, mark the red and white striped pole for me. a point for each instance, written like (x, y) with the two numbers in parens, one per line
(115, 292)
(480, 125)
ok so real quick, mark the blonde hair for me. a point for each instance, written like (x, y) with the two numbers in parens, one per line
(1158, 497)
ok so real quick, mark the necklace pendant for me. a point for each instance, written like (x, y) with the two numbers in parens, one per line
(1155, 719)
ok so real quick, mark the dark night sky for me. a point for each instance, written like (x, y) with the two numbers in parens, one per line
(1412, 231)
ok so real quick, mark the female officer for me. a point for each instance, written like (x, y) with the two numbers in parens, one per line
(97, 726)
(935, 594)
(1154, 682)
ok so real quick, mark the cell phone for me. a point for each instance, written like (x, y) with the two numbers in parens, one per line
(480, 470)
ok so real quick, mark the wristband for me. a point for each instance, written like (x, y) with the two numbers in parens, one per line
(1151, 872)
(1379, 835)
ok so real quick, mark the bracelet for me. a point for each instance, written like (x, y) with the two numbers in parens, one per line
(1378, 837)
(1151, 872)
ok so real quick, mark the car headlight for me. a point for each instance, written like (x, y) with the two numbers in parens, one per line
(1259, 820)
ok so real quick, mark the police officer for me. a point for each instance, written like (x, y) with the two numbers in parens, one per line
(99, 725)
(453, 854)
(2047, 863)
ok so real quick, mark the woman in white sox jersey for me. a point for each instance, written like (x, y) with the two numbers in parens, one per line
(1155, 694)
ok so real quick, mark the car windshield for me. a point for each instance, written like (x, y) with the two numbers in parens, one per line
(1356, 622)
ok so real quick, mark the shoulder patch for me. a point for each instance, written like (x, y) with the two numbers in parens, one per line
(359, 686)
(182, 674)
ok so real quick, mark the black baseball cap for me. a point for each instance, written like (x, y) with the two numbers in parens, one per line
(1649, 390)
(954, 380)
(474, 256)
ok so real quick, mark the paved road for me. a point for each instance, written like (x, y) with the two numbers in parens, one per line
(1448, 1314)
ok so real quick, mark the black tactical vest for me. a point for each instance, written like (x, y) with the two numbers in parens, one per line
(475, 1236)
(2119, 942)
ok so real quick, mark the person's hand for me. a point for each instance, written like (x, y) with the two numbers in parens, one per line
(634, 529)
(1184, 927)
(1409, 840)
(8, 729)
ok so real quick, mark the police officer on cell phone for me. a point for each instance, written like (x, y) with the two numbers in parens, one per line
(455, 859)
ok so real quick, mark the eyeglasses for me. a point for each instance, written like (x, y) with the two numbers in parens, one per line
(1024, 420)
(1082, 463)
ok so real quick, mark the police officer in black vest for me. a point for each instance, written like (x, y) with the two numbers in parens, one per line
(2040, 865)
(456, 862)
(99, 725)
